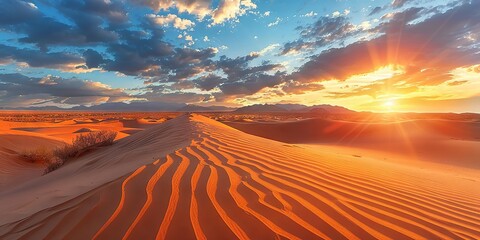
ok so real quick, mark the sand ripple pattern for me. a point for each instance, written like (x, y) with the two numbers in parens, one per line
(230, 185)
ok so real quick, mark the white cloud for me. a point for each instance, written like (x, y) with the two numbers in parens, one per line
(173, 19)
(310, 14)
(338, 14)
(365, 25)
(206, 39)
(266, 14)
(32, 5)
(267, 49)
(231, 9)
(225, 10)
(276, 22)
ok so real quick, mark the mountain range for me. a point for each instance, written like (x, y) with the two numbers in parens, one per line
(180, 107)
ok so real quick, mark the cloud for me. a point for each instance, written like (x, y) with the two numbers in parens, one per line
(224, 11)
(209, 82)
(398, 3)
(252, 83)
(267, 49)
(296, 47)
(156, 5)
(274, 23)
(231, 9)
(20, 90)
(375, 11)
(174, 97)
(33, 58)
(15, 12)
(88, 19)
(424, 45)
(456, 83)
(325, 31)
(171, 19)
(309, 14)
(293, 87)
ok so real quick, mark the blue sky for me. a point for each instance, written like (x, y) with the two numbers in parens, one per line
(238, 52)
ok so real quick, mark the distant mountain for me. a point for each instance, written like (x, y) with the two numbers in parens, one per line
(297, 108)
(222, 108)
(259, 108)
(326, 108)
(196, 108)
(133, 106)
(291, 106)
(182, 107)
(43, 108)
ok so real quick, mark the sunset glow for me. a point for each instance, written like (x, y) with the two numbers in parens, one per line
(238, 53)
(239, 119)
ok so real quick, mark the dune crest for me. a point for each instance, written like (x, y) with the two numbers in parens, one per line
(193, 177)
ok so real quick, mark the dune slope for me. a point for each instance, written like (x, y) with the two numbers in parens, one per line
(447, 142)
(193, 177)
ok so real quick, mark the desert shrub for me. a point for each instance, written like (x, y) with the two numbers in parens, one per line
(94, 139)
(65, 152)
(53, 164)
(81, 144)
(85, 142)
(39, 155)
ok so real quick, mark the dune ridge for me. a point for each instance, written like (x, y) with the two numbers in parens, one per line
(193, 177)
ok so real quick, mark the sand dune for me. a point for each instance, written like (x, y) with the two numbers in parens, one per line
(193, 177)
(432, 140)
(13, 169)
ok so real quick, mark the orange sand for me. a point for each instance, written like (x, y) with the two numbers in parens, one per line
(193, 177)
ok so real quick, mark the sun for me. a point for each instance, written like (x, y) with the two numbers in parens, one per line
(389, 103)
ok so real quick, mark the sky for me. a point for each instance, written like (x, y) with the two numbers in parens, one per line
(400, 55)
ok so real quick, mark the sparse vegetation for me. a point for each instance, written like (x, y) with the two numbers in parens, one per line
(52, 164)
(39, 155)
(80, 145)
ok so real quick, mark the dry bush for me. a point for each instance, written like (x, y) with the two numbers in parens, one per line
(85, 142)
(39, 155)
(94, 139)
(53, 164)
(65, 152)
(81, 144)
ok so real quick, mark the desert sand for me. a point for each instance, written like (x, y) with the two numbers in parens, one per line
(194, 177)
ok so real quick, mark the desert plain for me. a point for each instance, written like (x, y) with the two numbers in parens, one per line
(243, 176)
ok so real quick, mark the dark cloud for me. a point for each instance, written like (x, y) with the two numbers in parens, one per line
(21, 90)
(375, 11)
(435, 43)
(456, 83)
(209, 82)
(56, 60)
(252, 83)
(293, 87)
(93, 59)
(296, 47)
(88, 17)
(112, 10)
(15, 12)
(325, 31)
(398, 3)
(175, 97)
